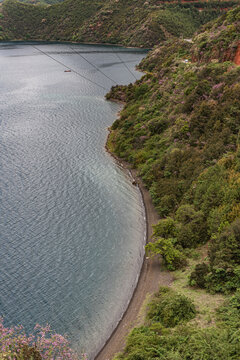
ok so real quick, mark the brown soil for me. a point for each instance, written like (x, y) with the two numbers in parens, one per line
(237, 56)
(151, 277)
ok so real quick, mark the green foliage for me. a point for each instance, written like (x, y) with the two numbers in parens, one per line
(140, 91)
(170, 308)
(210, 344)
(173, 258)
(224, 256)
(225, 246)
(165, 228)
(165, 238)
(198, 276)
(182, 343)
(171, 236)
(229, 312)
(182, 134)
(192, 228)
(157, 125)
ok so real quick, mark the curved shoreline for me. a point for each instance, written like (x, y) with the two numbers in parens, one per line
(150, 277)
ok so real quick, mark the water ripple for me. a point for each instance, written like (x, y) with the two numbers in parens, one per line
(71, 224)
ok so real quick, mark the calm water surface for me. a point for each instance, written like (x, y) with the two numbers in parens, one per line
(71, 223)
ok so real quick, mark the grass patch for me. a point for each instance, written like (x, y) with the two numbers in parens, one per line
(206, 303)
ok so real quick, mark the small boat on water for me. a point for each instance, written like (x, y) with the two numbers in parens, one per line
(67, 70)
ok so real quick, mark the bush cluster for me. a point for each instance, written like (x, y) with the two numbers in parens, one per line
(169, 335)
(170, 308)
(172, 236)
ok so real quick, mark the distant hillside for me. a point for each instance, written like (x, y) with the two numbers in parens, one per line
(134, 23)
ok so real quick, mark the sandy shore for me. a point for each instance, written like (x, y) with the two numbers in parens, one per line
(151, 277)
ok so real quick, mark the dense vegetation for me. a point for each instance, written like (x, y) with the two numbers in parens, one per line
(180, 128)
(220, 40)
(135, 23)
(170, 309)
(185, 341)
(25, 21)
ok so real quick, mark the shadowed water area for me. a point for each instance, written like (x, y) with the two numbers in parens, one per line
(71, 222)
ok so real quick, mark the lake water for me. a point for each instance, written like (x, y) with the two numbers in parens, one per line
(71, 222)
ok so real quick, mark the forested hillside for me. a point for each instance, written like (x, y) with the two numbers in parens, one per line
(180, 128)
(134, 23)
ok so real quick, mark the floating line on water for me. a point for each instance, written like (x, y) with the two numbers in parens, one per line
(95, 67)
(72, 70)
(123, 62)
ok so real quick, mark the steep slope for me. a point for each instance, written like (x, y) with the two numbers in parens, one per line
(134, 23)
(180, 128)
(220, 41)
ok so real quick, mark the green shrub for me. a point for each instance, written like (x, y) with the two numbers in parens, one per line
(165, 228)
(198, 276)
(224, 255)
(142, 343)
(157, 125)
(167, 205)
(192, 226)
(170, 308)
(140, 90)
(229, 312)
(225, 280)
(210, 344)
(172, 256)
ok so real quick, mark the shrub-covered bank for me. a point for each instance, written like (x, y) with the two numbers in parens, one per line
(185, 341)
(180, 129)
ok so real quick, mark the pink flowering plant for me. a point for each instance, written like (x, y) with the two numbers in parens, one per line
(42, 344)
